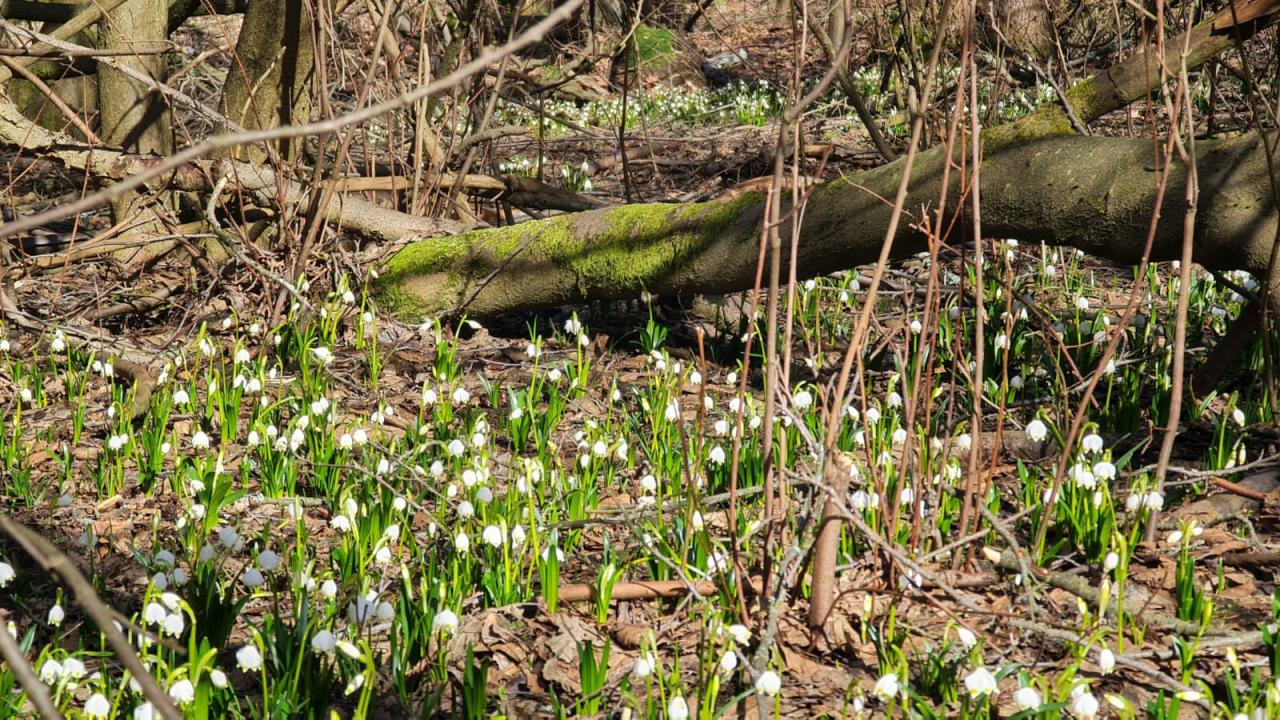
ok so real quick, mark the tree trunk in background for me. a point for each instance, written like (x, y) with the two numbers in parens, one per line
(269, 84)
(132, 117)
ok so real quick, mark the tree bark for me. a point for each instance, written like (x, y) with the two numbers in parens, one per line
(1040, 182)
(269, 84)
(1095, 194)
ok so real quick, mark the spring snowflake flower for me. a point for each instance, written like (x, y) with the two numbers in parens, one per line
(324, 642)
(644, 665)
(1092, 443)
(966, 637)
(802, 399)
(329, 589)
(59, 342)
(717, 455)
(50, 671)
(461, 542)
(672, 413)
(769, 683)
(445, 621)
(248, 658)
(218, 678)
(1106, 661)
(887, 686)
(1110, 562)
(268, 560)
(1083, 704)
(341, 523)
(1037, 430)
(1238, 416)
(1104, 470)
(228, 536)
(73, 668)
(183, 691)
(200, 441)
(252, 578)
(154, 613)
(493, 535)
(1027, 698)
(677, 709)
(322, 355)
(97, 706)
(981, 683)
(56, 615)
(173, 625)
(1082, 304)
(461, 396)
(728, 661)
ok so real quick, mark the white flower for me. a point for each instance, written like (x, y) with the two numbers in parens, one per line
(50, 671)
(248, 658)
(739, 632)
(1027, 698)
(456, 448)
(461, 396)
(322, 355)
(493, 535)
(1238, 416)
(717, 455)
(97, 706)
(461, 542)
(218, 678)
(329, 588)
(154, 613)
(252, 578)
(59, 342)
(644, 665)
(803, 399)
(1092, 443)
(728, 661)
(1083, 704)
(980, 683)
(268, 560)
(1106, 661)
(1037, 430)
(1082, 303)
(1104, 470)
(445, 621)
(173, 624)
(56, 615)
(200, 440)
(887, 686)
(1110, 562)
(182, 692)
(6, 573)
(769, 683)
(672, 413)
(73, 668)
(340, 523)
(324, 641)
(677, 709)
(966, 636)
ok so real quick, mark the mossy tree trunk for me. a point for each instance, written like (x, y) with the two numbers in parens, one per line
(1095, 194)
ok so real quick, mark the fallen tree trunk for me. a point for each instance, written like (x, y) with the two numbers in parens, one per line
(1092, 193)
(1039, 183)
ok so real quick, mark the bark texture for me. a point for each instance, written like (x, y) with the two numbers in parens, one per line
(1095, 194)
(269, 84)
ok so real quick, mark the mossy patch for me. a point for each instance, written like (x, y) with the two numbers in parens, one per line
(654, 44)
